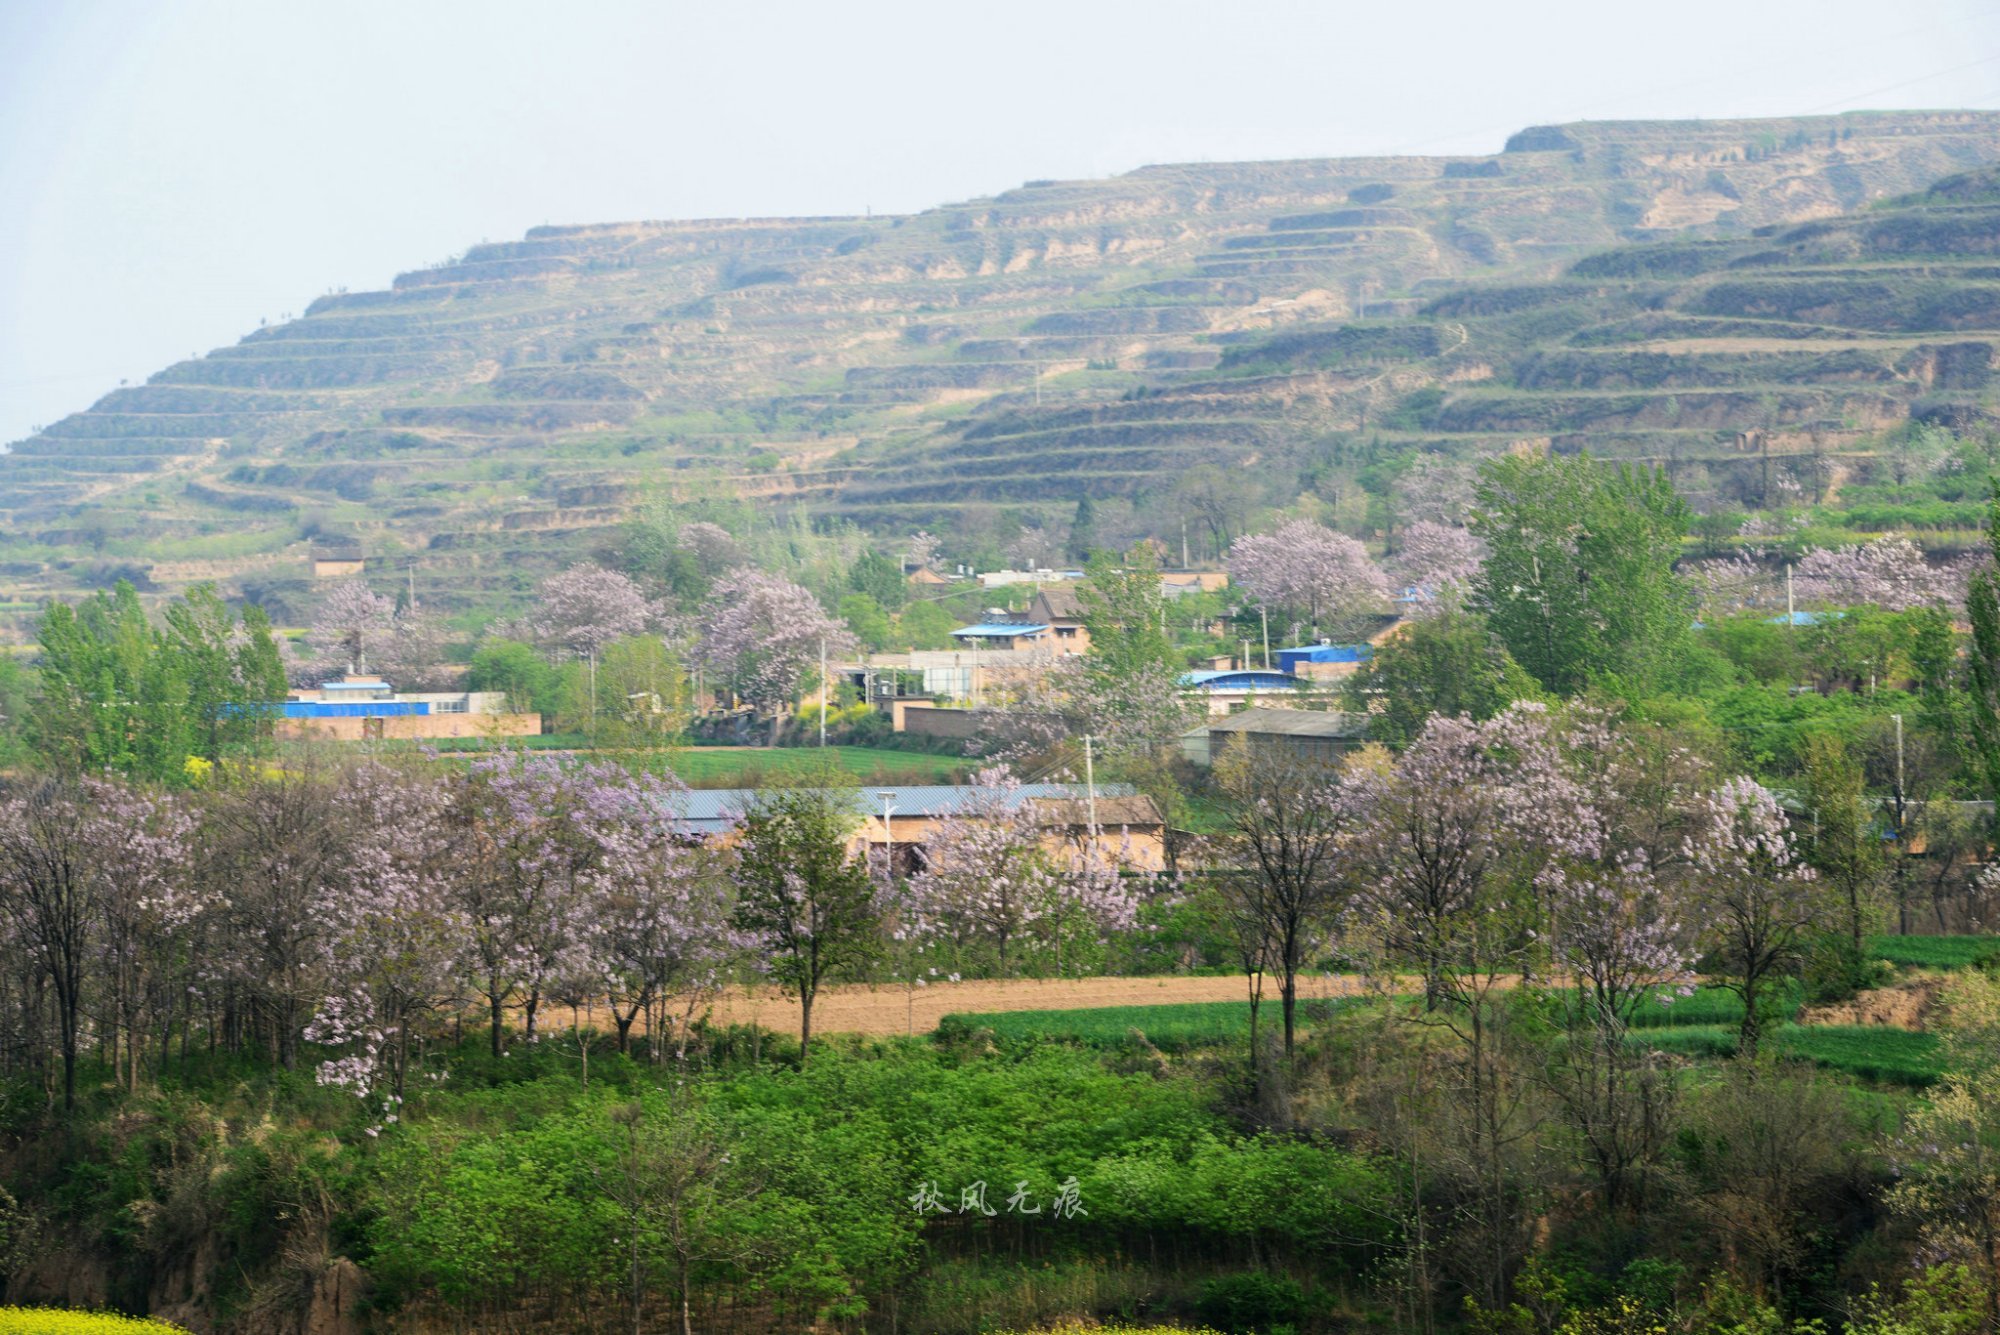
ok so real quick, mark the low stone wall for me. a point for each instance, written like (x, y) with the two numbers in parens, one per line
(409, 727)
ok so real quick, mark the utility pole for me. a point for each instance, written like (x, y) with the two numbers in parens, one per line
(822, 690)
(1184, 552)
(1789, 614)
(1090, 790)
(1265, 613)
(1899, 756)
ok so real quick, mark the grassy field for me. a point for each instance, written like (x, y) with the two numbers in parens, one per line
(1934, 952)
(716, 767)
(1883, 1055)
(748, 767)
(1711, 1006)
(1174, 1028)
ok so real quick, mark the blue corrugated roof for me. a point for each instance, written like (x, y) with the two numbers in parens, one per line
(354, 708)
(1324, 653)
(718, 808)
(1237, 678)
(995, 628)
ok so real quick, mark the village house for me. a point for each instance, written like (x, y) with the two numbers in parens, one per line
(1309, 734)
(900, 821)
(334, 562)
(365, 707)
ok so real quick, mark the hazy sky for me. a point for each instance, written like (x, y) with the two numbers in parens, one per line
(172, 172)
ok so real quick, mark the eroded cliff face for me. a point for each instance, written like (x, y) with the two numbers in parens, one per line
(465, 405)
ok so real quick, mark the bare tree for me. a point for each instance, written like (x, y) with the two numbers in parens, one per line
(1289, 824)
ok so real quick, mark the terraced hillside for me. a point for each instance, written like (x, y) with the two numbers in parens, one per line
(483, 420)
(1757, 370)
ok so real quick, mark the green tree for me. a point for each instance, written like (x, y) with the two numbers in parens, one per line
(17, 693)
(1447, 664)
(925, 626)
(864, 616)
(113, 695)
(1083, 530)
(518, 669)
(1579, 580)
(642, 694)
(1122, 608)
(811, 904)
(230, 666)
(880, 578)
(1982, 660)
(1842, 845)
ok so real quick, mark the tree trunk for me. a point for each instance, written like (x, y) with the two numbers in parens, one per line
(805, 1025)
(493, 1000)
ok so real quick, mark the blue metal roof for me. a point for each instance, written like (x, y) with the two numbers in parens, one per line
(1231, 679)
(353, 708)
(1324, 653)
(712, 809)
(994, 629)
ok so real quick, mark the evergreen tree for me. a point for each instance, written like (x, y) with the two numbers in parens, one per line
(1083, 531)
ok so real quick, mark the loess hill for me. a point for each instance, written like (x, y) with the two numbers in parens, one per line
(1653, 289)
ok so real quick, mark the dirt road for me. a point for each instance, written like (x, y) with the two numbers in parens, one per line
(892, 1009)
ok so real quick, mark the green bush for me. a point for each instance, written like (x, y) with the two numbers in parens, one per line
(1935, 952)
(1250, 1304)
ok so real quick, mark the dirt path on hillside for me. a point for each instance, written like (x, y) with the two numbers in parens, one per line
(891, 1009)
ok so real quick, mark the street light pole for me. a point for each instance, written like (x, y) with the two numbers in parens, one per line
(888, 833)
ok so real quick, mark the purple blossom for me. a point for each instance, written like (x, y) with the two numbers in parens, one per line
(1307, 571)
(762, 635)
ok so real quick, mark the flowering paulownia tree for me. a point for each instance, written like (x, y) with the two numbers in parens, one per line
(359, 628)
(1756, 899)
(1889, 573)
(664, 907)
(1319, 578)
(394, 948)
(522, 876)
(1438, 560)
(586, 608)
(88, 879)
(713, 547)
(762, 636)
(922, 550)
(985, 880)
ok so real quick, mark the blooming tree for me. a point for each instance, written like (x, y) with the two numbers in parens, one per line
(395, 945)
(585, 608)
(1438, 560)
(713, 547)
(922, 550)
(664, 908)
(985, 878)
(356, 628)
(87, 878)
(1756, 899)
(763, 635)
(1889, 573)
(521, 876)
(1306, 570)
